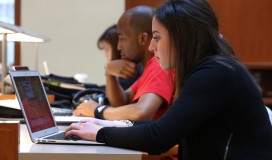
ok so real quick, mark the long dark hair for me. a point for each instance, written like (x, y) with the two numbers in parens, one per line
(110, 35)
(193, 30)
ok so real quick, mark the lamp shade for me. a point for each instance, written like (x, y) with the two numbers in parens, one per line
(8, 28)
(16, 33)
(10, 32)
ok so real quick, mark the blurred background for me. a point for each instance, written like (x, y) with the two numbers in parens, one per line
(73, 27)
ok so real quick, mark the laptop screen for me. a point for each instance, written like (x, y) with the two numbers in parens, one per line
(34, 103)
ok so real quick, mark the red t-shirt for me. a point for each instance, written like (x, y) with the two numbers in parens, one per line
(155, 80)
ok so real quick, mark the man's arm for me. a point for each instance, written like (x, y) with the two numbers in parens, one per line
(115, 93)
(147, 105)
(145, 108)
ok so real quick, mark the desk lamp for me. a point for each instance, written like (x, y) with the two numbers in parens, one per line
(10, 32)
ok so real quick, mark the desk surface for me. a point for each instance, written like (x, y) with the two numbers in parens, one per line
(51, 98)
(29, 150)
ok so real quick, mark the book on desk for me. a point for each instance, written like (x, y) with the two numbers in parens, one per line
(10, 110)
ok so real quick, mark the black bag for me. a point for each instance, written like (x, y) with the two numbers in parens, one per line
(69, 93)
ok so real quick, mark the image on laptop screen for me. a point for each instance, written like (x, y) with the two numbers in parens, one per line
(34, 103)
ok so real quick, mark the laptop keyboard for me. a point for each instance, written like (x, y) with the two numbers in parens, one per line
(60, 136)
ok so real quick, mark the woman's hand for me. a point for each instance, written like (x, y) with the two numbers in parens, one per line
(83, 130)
(87, 128)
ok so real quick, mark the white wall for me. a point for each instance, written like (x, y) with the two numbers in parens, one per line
(73, 27)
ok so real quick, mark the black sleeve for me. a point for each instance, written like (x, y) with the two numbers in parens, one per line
(203, 90)
(143, 122)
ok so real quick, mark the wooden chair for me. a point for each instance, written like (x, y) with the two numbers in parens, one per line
(9, 139)
(172, 152)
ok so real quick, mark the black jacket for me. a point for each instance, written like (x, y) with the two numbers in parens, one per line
(219, 114)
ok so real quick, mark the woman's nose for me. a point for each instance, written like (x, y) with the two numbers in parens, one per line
(151, 46)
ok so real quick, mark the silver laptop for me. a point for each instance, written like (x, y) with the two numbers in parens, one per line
(36, 109)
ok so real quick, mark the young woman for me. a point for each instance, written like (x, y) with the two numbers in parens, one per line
(108, 43)
(218, 112)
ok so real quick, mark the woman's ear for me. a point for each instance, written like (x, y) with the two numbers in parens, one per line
(143, 38)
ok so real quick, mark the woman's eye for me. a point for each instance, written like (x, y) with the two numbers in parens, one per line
(156, 38)
(121, 38)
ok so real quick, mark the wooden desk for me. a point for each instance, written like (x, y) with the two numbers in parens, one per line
(29, 150)
(51, 98)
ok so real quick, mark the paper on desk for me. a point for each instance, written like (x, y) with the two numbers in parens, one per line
(70, 119)
(10, 103)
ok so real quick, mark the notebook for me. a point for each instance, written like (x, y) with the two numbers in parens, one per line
(36, 110)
